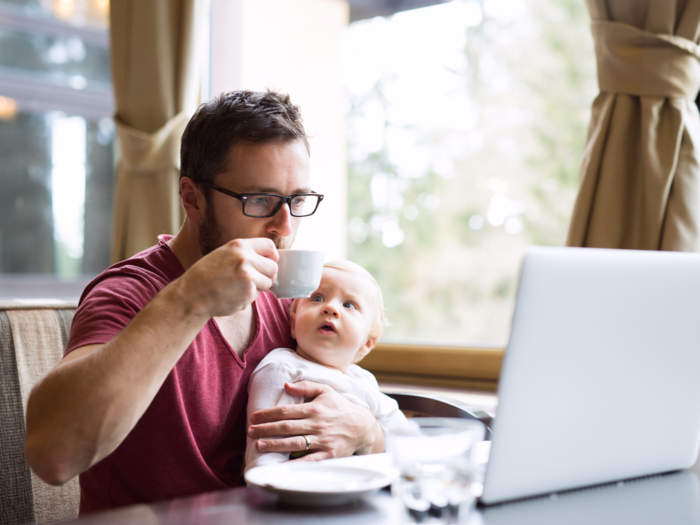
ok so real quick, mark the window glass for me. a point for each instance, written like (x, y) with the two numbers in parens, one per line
(26, 227)
(56, 138)
(57, 177)
(80, 13)
(69, 59)
(466, 124)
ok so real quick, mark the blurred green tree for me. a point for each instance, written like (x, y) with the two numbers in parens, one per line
(445, 236)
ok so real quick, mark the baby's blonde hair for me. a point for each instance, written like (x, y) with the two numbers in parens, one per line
(379, 320)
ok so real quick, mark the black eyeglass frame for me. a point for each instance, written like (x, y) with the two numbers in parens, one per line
(243, 197)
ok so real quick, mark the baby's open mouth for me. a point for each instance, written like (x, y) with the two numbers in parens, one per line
(327, 328)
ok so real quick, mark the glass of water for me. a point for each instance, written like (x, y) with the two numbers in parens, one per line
(436, 469)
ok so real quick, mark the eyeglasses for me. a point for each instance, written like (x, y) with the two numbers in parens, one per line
(263, 205)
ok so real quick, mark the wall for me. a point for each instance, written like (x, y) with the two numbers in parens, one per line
(293, 46)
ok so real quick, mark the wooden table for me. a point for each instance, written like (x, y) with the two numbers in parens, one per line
(671, 498)
(248, 506)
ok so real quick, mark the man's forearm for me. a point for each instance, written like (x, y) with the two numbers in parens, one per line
(82, 410)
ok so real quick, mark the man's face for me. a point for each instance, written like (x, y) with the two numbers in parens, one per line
(278, 167)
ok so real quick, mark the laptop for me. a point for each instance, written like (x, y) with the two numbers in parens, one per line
(601, 378)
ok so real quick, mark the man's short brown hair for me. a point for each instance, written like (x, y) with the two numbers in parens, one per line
(232, 118)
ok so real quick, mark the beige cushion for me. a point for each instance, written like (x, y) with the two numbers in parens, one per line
(32, 340)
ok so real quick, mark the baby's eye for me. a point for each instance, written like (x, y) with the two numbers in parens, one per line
(349, 305)
(317, 299)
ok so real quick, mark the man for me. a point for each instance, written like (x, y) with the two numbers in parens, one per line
(149, 401)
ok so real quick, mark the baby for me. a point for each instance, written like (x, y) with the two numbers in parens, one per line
(337, 326)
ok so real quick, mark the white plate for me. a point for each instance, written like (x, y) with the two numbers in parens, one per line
(320, 484)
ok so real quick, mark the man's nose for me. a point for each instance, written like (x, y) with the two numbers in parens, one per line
(281, 223)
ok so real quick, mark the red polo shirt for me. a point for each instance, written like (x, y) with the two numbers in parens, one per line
(191, 439)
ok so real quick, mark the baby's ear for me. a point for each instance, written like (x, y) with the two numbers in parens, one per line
(366, 348)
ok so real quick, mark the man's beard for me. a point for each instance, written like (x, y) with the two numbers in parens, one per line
(209, 231)
(210, 237)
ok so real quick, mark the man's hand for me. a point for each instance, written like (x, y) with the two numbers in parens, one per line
(335, 426)
(229, 279)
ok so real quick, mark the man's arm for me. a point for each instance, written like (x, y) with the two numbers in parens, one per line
(84, 408)
(335, 426)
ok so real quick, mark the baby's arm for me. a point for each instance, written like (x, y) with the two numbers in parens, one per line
(266, 389)
(387, 410)
(391, 418)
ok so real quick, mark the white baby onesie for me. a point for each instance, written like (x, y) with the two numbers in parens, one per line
(283, 365)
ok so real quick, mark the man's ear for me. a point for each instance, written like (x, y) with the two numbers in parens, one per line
(192, 200)
(366, 348)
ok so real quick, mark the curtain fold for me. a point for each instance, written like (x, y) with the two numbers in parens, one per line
(155, 51)
(640, 175)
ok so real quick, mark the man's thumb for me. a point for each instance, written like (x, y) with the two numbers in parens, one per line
(307, 389)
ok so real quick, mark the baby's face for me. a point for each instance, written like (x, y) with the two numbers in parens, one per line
(332, 326)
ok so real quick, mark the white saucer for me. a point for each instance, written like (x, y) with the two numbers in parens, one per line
(320, 484)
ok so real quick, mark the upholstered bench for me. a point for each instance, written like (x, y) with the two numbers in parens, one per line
(33, 337)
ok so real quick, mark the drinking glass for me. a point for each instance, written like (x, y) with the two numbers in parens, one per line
(436, 469)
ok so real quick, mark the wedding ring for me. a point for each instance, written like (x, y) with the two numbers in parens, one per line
(308, 443)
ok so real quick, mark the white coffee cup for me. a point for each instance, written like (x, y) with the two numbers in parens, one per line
(299, 273)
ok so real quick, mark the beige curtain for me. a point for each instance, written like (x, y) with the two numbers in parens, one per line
(156, 49)
(640, 174)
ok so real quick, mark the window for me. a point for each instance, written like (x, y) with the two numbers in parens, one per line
(56, 137)
(465, 129)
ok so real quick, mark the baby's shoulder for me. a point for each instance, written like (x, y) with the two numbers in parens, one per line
(279, 358)
(362, 375)
(277, 368)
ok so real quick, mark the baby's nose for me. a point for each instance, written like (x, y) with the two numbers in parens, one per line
(330, 310)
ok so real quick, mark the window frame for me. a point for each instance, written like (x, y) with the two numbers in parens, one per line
(471, 367)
